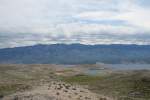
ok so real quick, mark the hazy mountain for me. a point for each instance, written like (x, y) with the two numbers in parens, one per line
(76, 54)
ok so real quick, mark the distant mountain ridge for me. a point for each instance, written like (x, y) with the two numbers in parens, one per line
(76, 54)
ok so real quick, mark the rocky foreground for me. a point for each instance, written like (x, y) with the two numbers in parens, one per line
(57, 91)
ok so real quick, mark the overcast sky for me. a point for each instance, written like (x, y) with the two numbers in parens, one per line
(30, 22)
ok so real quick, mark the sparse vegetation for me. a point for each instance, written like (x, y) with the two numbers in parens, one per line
(15, 78)
(82, 79)
(126, 86)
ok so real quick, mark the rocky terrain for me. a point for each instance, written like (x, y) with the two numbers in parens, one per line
(57, 91)
(72, 82)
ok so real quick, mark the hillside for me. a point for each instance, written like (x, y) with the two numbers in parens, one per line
(76, 54)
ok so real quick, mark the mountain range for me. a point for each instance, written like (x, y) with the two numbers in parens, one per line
(76, 54)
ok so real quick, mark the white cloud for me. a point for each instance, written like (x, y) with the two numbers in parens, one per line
(53, 21)
(97, 15)
(139, 17)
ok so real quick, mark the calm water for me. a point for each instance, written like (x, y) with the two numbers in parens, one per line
(129, 66)
(114, 67)
(118, 67)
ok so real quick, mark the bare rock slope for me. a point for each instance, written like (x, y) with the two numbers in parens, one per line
(57, 91)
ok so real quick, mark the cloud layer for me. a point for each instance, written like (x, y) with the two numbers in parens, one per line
(29, 22)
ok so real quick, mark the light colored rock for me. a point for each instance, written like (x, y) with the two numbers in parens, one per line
(57, 91)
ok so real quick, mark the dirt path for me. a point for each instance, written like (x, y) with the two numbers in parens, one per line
(57, 91)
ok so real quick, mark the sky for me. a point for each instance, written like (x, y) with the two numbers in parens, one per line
(31, 22)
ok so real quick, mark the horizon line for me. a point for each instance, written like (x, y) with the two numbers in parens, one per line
(121, 44)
